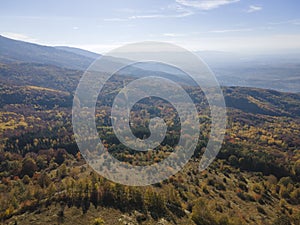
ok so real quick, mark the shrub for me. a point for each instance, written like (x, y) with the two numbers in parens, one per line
(201, 215)
(295, 196)
(282, 220)
(257, 188)
(98, 221)
(233, 160)
(285, 181)
(261, 210)
(220, 186)
(26, 179)
(243, 186)
(211, 182)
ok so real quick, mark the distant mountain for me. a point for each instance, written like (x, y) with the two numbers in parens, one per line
(270, 71)
(79, 51)
(13, 51)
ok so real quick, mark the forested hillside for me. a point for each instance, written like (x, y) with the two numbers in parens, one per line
(42, 173)
(44, 178)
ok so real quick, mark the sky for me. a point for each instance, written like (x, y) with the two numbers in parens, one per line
(262, 26)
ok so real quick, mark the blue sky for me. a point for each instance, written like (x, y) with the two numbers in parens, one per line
(222, 25)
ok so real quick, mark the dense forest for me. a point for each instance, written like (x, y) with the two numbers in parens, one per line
(44, 178)
(254, 180)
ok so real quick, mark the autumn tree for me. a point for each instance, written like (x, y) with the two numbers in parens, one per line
(29, 167)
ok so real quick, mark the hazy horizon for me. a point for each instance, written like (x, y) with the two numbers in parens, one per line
(234, 52)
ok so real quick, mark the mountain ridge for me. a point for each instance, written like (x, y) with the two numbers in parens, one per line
(79, 51)
(231, 69)
(21, 51)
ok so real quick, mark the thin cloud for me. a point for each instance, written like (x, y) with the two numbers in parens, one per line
(18, 36)
(115, 19)
(254, 8)
(155, 16)
(179, 9)
(150, 16)
(171, 11)
(231, 30)
(206, 4)
(173, 35)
